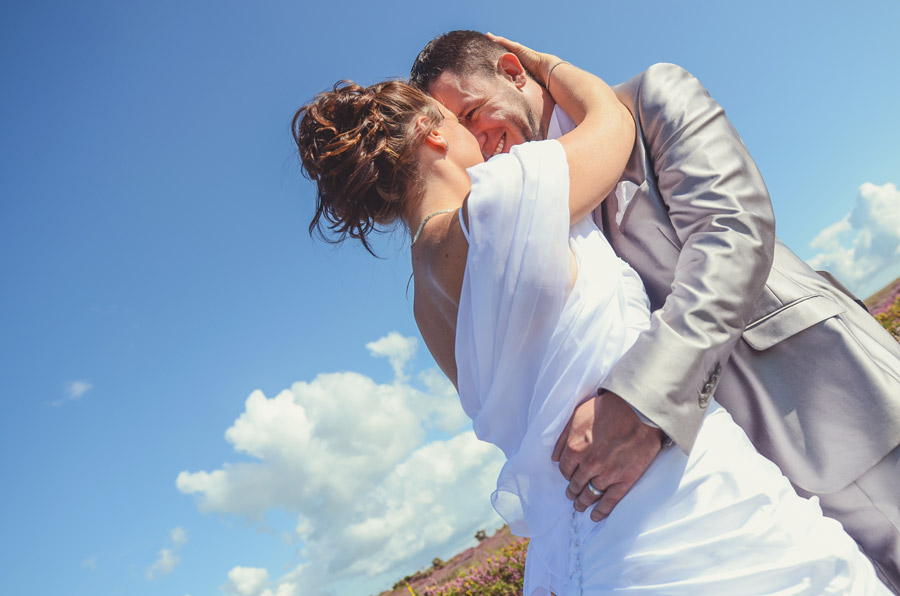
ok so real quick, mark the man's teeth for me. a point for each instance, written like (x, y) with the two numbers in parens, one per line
(500, 145)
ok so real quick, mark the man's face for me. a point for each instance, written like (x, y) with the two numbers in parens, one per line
(492, 107)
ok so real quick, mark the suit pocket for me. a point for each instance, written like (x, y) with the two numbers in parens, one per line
(790, 320)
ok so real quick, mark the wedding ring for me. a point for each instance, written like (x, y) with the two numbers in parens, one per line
(594, 490)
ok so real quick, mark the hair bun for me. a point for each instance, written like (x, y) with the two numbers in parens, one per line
(359, 145)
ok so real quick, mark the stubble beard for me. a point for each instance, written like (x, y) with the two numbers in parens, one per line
(526, 120)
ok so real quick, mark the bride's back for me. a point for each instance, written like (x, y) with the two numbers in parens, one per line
(439, 263)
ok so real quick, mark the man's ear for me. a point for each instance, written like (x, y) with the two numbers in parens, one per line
(508, 66)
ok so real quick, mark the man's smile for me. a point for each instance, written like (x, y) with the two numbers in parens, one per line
(500, 145)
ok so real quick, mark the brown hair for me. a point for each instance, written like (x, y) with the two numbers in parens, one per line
(460, 52)
(359, 145)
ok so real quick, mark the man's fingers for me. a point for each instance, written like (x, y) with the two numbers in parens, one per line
(567, 464)
(579, 479)
(609, 500)
(587, 498)
(561, 442)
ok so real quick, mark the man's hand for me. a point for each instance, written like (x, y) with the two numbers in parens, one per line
(604, 443)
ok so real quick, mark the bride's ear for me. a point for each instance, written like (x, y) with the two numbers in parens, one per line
(434, 139)
(509, 66)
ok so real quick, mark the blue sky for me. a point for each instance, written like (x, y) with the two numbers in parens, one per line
(200, 399)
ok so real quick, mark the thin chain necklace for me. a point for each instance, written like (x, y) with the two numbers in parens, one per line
(424, 221)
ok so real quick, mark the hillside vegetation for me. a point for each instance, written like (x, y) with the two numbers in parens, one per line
(885, 306)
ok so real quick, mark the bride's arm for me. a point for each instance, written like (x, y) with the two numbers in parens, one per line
(599, 147)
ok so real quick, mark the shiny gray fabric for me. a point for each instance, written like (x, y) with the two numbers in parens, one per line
(812, 378)
(869, 511)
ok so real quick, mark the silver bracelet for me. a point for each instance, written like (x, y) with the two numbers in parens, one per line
(550, 72)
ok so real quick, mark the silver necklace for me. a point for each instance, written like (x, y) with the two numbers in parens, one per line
(424, 221)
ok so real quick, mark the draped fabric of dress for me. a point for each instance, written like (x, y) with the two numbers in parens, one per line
(531, 342)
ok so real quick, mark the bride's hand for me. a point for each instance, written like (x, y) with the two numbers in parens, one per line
(537, 63)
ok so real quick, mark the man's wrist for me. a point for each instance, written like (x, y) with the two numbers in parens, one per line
(665, 439)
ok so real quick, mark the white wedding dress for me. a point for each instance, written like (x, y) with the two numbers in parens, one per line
(530, 345)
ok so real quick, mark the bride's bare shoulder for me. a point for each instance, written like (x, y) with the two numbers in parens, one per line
(439, 260)
(438, 267)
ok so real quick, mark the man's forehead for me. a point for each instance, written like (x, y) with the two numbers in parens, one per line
(455, 90)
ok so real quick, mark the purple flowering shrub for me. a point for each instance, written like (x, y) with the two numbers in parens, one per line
(889, 315)
(500, 575)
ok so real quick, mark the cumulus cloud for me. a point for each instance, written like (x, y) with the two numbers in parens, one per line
(178, 536)
(397, 349)
(73, 391)
(168, 559)
(165, 563)
(381, 477)
(863, 248)
(246, 581)
(284, 588)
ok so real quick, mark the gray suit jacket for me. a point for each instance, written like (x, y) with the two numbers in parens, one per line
(810, 376)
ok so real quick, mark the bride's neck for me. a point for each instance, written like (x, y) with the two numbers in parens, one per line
(446, 186)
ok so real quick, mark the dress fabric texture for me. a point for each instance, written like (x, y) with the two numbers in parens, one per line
(531, 342)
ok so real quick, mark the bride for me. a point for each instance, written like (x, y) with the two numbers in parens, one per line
(523, 303)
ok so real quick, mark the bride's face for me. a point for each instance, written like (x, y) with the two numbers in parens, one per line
(463, 146)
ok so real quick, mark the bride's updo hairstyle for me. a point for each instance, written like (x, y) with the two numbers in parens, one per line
(360, 146)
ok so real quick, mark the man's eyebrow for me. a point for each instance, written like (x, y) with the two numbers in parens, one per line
(468, 106)
(462, 110)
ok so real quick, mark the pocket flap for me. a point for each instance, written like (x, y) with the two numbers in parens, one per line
(789, 320)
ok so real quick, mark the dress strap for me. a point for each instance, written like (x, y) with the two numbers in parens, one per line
(424, 221)
(462, 225)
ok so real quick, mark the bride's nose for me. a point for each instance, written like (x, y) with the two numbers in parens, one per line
(480, 136)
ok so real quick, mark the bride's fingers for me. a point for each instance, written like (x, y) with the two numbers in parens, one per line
(529, 58)
(512, 46)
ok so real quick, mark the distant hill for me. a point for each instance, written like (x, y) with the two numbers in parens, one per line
(883, 297)
(501, 544)
(884, 306)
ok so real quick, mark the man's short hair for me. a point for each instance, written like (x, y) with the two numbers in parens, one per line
(460, 52)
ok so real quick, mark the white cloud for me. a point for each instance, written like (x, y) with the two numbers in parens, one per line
(165, 563)
(73, 391)
(863, 248)
(168, 559)
(90, 563)
(179, 536)
(358, 464)
(76, 389)
(246, 581)
(397, 349)
(285, 588)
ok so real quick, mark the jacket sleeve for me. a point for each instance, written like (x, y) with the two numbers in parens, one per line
(720, 210)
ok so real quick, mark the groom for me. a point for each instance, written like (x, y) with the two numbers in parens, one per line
(808, 374)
